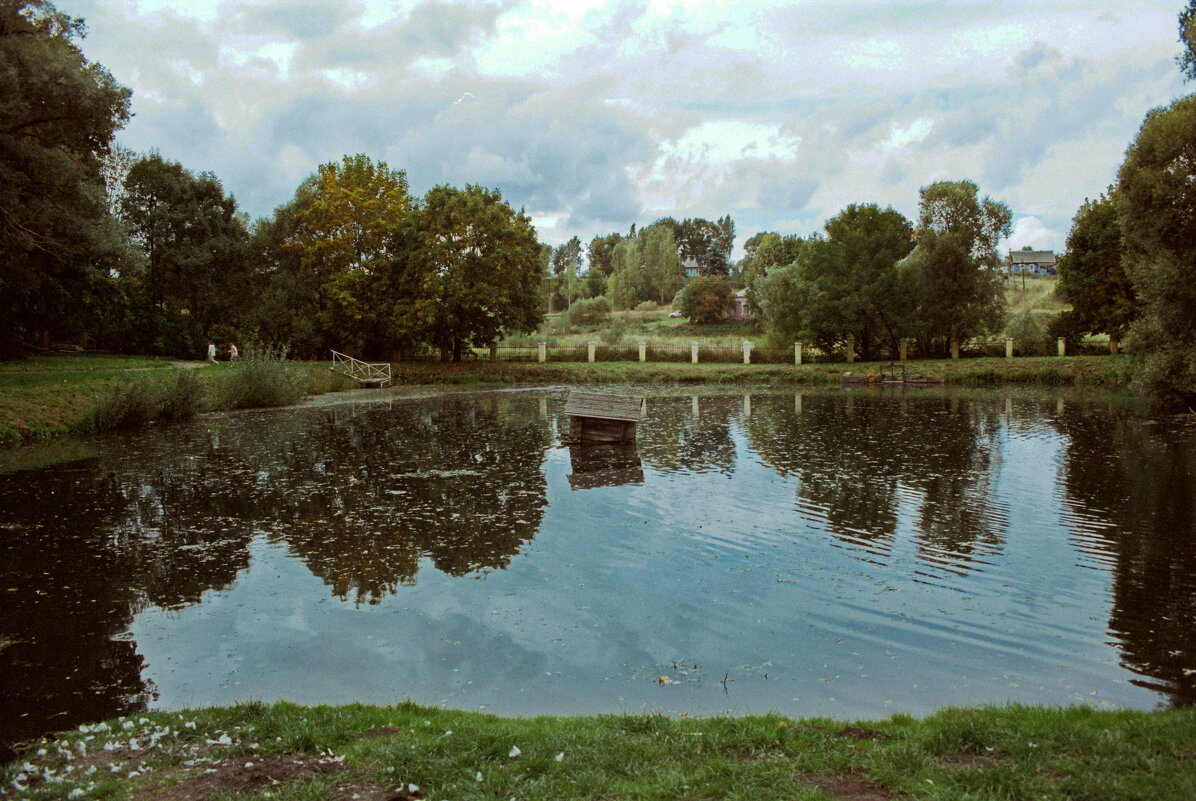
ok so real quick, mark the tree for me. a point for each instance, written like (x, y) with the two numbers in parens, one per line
(662, 271)
(705, 299)
(466, 271)
(1156, 203)
(339, 232)
(707, 243)
(1092, 276)
(600, 251)
(955, 265)
(195, 248)
(58, 114)
(1187, 38)
(566, 262)
(627, 283)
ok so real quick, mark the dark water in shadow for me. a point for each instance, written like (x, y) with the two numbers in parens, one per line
(838, 553)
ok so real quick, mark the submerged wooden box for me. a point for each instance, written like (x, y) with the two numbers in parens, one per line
(598, 417)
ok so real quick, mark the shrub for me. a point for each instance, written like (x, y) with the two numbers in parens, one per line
(587, 312)
(614, 331)
(707, 299)
(130, 402)
(262, 377)
(180, 395)
(1069, 326)
(647, 306)
(1028, 333)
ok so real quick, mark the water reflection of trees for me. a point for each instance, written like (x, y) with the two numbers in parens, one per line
(159, 520)
(860, 458)
(1132, 484)
(689, 433)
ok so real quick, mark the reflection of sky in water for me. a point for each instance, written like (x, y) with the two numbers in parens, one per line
(724, 568)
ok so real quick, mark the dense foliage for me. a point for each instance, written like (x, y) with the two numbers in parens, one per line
(1092, 275)
(59, 246)
(1156, 203)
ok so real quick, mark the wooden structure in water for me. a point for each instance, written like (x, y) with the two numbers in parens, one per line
(604, 465)
(598, 417)
(364, 373)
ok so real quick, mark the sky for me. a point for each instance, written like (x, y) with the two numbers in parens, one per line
(595, 115)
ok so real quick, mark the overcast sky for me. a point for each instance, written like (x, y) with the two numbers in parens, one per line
(593, 115)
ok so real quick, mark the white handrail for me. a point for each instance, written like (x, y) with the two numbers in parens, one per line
(362, 372)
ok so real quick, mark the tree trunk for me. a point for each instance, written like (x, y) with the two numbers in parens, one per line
(456, 349)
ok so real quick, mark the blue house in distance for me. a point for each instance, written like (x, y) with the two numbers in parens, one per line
(1030, 262)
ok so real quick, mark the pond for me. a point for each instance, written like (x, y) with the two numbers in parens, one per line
(843, 553)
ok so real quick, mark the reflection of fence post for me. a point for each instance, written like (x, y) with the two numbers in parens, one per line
(850, 348)
(590, 348)
(693, 352)
(543, 354)
(1062, 345)
(797, 353)
(643, 351)
(954, 348)
(903, 349)
(1008, 347)
(747, 404)
(747, 352)
(493, 351)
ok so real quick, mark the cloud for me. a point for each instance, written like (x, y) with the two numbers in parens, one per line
(594, 115)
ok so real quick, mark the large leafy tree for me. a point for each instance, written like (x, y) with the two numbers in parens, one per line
(466, 271)
(336, 235)
(195, 245)
(1156, 202)
(58, 114)
(955, 265)
(1092, 275)
(707, 243)
(599, 253)
(855, 285)
(662, 271)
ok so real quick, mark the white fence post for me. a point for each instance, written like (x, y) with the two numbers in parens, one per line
(590, 348)
(747, 352)
(797, 353)
(693, 352)
(643, 351)
(543, 354)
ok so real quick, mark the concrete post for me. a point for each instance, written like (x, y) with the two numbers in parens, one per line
(590, 348)
(643, 351)
(543, 354)
(1062, 346)
(747, 352)
(693, 352)
(850, 348)
(543, 408)
(493, 351)
(694, 405)
(747, 405)
(1008, 347)
(797, 403)
(954, 348)
(797, 353)
(903, 350)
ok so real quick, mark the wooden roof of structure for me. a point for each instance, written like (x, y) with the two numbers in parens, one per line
(603, 406)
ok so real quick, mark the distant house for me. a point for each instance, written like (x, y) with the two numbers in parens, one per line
(691, 267)
(1030, 262)
(739, 308)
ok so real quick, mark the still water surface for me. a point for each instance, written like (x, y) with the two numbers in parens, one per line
(849, 554)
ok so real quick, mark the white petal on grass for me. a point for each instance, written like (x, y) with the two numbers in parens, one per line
(514, 752)
(559, 756)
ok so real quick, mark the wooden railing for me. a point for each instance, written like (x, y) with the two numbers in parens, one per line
(364, 373)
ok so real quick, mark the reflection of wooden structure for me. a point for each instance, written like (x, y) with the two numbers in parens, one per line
(364, 373)
(604, 466)
(598, 417)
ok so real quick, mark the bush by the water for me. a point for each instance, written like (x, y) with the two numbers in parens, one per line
(263, 377)
(137, 400)
(587, 312)
(1028, 333)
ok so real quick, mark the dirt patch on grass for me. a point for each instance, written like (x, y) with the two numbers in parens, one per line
(385, 731)
(247, 774)
(848, 787)
(854, 733)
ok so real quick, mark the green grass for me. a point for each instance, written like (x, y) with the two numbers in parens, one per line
(1010, 752)
(1038, 295)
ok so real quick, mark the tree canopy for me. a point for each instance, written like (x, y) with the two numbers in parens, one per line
(58, 114)
(1187, 39)
(1156, 203)
(1092, 275)
(466, 270)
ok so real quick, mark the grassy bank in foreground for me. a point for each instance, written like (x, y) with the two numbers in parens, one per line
(406, 751)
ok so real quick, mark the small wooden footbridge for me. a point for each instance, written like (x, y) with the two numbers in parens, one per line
(364, 373)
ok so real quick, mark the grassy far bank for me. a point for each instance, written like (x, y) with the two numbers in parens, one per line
(407, 751)
(50, 396)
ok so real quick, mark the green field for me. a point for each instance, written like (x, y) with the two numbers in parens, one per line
(285, 751)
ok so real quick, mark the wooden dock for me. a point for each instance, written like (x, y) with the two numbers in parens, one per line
(598, 417)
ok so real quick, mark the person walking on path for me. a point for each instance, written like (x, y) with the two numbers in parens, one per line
(232, 352)
(212, 352)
